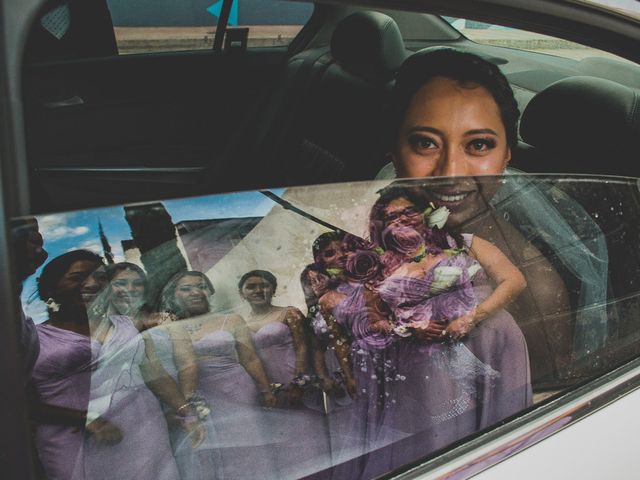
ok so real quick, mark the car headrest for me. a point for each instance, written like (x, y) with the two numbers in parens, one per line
(586, 118)
(368, 45)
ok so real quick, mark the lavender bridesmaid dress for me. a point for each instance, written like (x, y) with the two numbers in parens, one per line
(61, 377)
(243, 440)
(374, 362)
(76, 372)
(299, 436)
(120, 395)
(339, 407)
(199, 463)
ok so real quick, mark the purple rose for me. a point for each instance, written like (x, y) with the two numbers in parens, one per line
(402, 239)
(458, 300)
(363, 265)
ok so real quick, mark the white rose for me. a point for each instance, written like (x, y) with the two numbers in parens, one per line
(444, 278)
(438, 217)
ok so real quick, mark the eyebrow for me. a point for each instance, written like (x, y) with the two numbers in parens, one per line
(421, 128)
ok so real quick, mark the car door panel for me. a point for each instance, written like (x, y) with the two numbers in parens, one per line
(140, 112)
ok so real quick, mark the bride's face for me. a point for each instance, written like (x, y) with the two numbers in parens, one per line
(450, 130)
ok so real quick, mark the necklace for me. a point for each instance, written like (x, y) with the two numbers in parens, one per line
(193, 328)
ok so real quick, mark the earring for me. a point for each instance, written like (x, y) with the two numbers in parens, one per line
(52, 305)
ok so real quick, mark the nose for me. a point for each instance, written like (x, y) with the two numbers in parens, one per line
(452, 163)
(90, 284)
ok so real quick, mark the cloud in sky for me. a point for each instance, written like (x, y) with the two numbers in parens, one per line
(90, 244)
(56, 227)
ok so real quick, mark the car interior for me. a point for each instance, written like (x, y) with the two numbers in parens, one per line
(103, 128)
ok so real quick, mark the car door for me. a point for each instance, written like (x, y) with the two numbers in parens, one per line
(148, 121)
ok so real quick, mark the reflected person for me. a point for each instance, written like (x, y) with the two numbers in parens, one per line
(231, 376)
(281, 342)
(29, 255)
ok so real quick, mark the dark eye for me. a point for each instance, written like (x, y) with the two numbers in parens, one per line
(482, 144)
(329, 253)
(421, 142)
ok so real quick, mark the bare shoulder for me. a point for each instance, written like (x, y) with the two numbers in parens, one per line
(330, 300)
(232, 320)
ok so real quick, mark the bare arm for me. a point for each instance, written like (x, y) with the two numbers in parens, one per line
(508, 279)
(341, 345)
(105, 432)
(509, 283)
(158, 379)
(249, 358)
(295, 321)
(185, 360)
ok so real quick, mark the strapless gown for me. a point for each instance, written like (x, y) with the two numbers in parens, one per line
(299, 436)
(199, 463)
(243, 439)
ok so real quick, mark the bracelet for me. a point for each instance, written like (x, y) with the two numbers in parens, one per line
(188, 404)
(189, 419)
(273, 388)
(303, 380)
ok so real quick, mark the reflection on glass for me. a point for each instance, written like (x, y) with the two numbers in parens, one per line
(364, 348)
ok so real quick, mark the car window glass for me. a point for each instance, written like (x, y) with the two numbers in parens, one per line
(501, 36)
(626, 7)
(296, 331)
(77, 29)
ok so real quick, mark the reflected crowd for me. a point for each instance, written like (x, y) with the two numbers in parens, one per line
(405, 348)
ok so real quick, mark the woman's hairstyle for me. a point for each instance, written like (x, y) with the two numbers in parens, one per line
(168, 296)
(264, 274)
(321, 243)
(467, 69)
(413, 194)
(309, 295)
(114, 269)
(53, 271)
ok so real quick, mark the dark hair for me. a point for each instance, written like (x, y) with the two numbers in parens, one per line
(265, 275)
(321, 243)
(115, 268)
(309, 296)
(465, 68)
(53, 271)
(168, 296)
(416, 196)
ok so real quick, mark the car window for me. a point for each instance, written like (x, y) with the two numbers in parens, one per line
(501, 36)
(626, 7)
(74, 29)
(347, 330)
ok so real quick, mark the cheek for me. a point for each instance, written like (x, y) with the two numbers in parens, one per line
(493, 164)
(409, 164)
